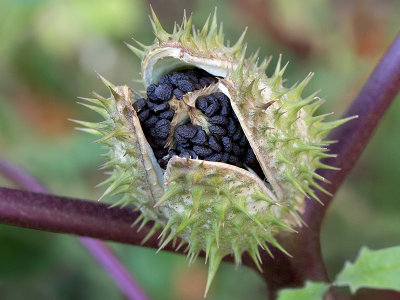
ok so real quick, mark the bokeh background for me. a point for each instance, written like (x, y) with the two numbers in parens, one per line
(49, 50)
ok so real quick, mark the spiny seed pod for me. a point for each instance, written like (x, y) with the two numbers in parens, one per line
(217, 154)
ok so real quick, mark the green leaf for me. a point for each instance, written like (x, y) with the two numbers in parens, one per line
(379, 269)
(312, 290)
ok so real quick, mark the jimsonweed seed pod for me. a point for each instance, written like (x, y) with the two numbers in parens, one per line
(216, 153)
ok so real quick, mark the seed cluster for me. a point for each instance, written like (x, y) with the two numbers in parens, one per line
(225, 142)
(178, 84)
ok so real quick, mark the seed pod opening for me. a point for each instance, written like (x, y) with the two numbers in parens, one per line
(217, 153)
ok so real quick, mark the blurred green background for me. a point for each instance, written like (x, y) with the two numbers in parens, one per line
(49, 50)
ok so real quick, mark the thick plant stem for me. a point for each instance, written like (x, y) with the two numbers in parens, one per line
(66, 215)
(96, 248)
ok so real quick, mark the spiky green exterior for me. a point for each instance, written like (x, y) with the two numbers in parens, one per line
(218, 208)
(212, 206)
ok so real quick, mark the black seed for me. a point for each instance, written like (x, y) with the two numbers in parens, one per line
(201, 103)
(212, 100)
(139, 104)
(187, 131)
(236, 150)
(180, 148)
(183, 147)
(226, 143)
(213, 106)
(150, 105)
(178, 94)
(175, 77)
(221, 97)
(192, 75)
(161, 107)
(143, 115)
(243, 141)
(237, 135)
(165, 79)
(185, 85)
(167, 115)
(186, 145)
(225, 110)
(213, 144)
(215, 129)
(249, 157)
(153, 132)
(150, 122)
(157, 143)
(200, 138)
(202, 150)
(211, 110)
(225, 157)
(231, 128)
(162, 127)
(193, 79)
(163, 92)
(218, 120)
(193, 154)
(203, 82)
(151, 92)
(214, 157)
(179, 138)
(225, 104)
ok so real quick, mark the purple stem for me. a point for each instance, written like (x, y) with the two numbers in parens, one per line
(122, 278)
(99, 250)
(66, 215)
(21, 177)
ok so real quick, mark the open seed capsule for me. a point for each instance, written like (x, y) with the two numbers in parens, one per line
(217, 153)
